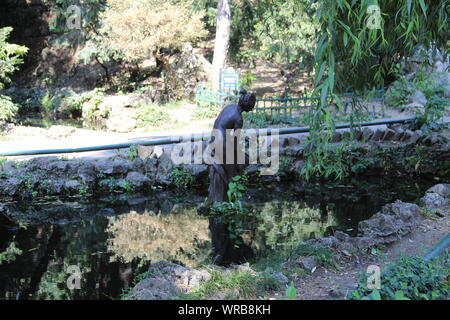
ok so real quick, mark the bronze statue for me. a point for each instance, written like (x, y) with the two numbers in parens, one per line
(221, 174)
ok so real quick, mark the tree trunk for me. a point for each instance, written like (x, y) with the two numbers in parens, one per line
(222, 40)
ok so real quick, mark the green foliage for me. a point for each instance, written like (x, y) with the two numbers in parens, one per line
(246, 80)
(230, 285)
(69, 103)
(10, 254)
(206, 111)
(182, 179)
(398, 93)
(151, 115)
(280, 31)
(154, 25)
(409, 279)
(232, 212)
(291, 292)
(8, 109)
(329, 161)
(264, 120)
(10, 56)
(324, 257)
(132, 152)
(350, 56)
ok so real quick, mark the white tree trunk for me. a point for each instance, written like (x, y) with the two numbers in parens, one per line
(222, 40)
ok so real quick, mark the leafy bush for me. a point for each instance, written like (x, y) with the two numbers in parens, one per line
(10, 57)
(151, 115)
(409, 278)
(182, 179)
(154, 25)
(8, 109)
(10, 254)
(398, 93)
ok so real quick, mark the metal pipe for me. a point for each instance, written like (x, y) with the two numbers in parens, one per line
(438, 249)
(187, 138)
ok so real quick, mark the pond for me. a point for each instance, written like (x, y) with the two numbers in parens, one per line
(111, 240)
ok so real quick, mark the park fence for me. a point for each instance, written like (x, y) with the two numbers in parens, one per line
(288, 106)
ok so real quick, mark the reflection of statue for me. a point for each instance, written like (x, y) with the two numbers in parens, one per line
(221, 174)
(230, 118)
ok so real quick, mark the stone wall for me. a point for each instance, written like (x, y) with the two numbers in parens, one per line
(393, 151)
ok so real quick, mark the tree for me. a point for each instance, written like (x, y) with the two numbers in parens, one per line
(142, 28)
(10, 58)
(351, 55)
(222, 40)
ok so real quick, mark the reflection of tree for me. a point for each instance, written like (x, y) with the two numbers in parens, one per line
(181, 237)
(282, 225)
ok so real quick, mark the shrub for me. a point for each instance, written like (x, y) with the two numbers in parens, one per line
(140, 28)
(8, 109)
(409, 278)
(151, 115)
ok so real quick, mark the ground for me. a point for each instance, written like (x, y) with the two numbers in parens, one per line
(324, 284)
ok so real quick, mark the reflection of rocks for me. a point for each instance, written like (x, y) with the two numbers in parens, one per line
(389, 225)
(168, 280)
(437, 199)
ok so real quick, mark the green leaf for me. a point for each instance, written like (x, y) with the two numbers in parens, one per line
(423, 6)
(375, 295)
(291, 292)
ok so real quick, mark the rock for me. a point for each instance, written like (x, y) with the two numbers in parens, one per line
(337, 293)
(298, 165)
(184, 278)
(367, 134)
(406, 136)
(137, 180)
(394, 220)
(155, 289)
(10, 186)
(72, 186)
(388, 135)
(277, 276)
(292, 141)
(116, 166)
(441, 189)
(415, 137)
(144, 151)
(417, 98)
(294, 151)
(86, 171)
(196, 169)
(433, 200)
(378, 135)
(151, 165)
(157, 151)
(307, 263)
(165, 167)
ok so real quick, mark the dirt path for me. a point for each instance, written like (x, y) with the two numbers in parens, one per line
(324, 284)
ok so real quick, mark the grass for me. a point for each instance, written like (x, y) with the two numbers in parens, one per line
(151, 115)
(236, 284)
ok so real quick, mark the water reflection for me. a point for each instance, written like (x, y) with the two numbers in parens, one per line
(181, 236)
(112, 240)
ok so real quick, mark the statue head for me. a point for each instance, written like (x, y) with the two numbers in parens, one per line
(247, 101)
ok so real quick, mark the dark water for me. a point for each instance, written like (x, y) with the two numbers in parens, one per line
(113, 240)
